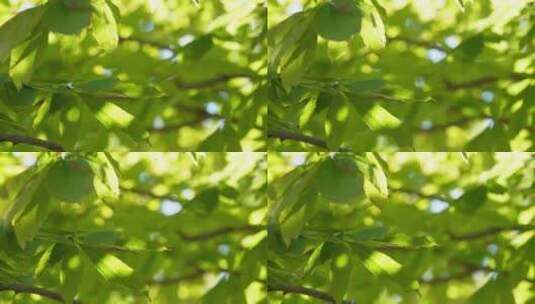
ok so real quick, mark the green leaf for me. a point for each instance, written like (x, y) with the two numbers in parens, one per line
(366, 234)
(64, 18)
(295, 68)
(338, 20)
(337, 121)
(104, 25)
(339, 180)
(206, 201)
(70, 180)
(470, 48)
(491, 139)
(472, 199)
(362, 86)
(111, 267)
(41, 113)
(284, 39)
(495, 291)
(373, 30)
(24, 194)
(222, 139)
(292, 227)
(18, 29)
(379, 263)
(196, 49)
(43, 260)
(27, 226)
(25, 57)
(341, 268)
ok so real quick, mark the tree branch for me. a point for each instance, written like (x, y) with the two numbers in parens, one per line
(152, 43)
(169, 281)
(149, 194)
(287, 135)
(220, 231)
(178, 125)
(412, 41)
(23, 139)
(489, 232)
(223, 78)
(420, 194)
(286, 288)
(452, 86)
(29, 289)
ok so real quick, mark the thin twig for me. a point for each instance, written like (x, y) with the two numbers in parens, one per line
(489, 232)
(452, 86)
(413, 41)
(318, 294)
(30, 289)
(220, 79)
(23, 139)
(220, 231)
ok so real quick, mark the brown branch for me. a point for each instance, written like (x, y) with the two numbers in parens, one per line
(149, 194)
(220, 231)
(29, 289)
(318, 294)
(176, 280)
(452, 86)
(489, 232)
(420, 194)
(287, 135)
(23, 139)
(211, 81)
(178, 125)
(152, 43)
(413, 41)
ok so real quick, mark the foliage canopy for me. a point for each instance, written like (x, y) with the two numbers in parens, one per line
(95, 75)
(372, 75)
(126, 228)
(413, 228)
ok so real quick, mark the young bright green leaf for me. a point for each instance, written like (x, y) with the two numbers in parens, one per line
(379, 263)
(338, 20)
(373, 30)
(104, 25)
(111, 267)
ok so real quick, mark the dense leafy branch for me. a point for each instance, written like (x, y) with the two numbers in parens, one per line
(23, 139)
(29, 289)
